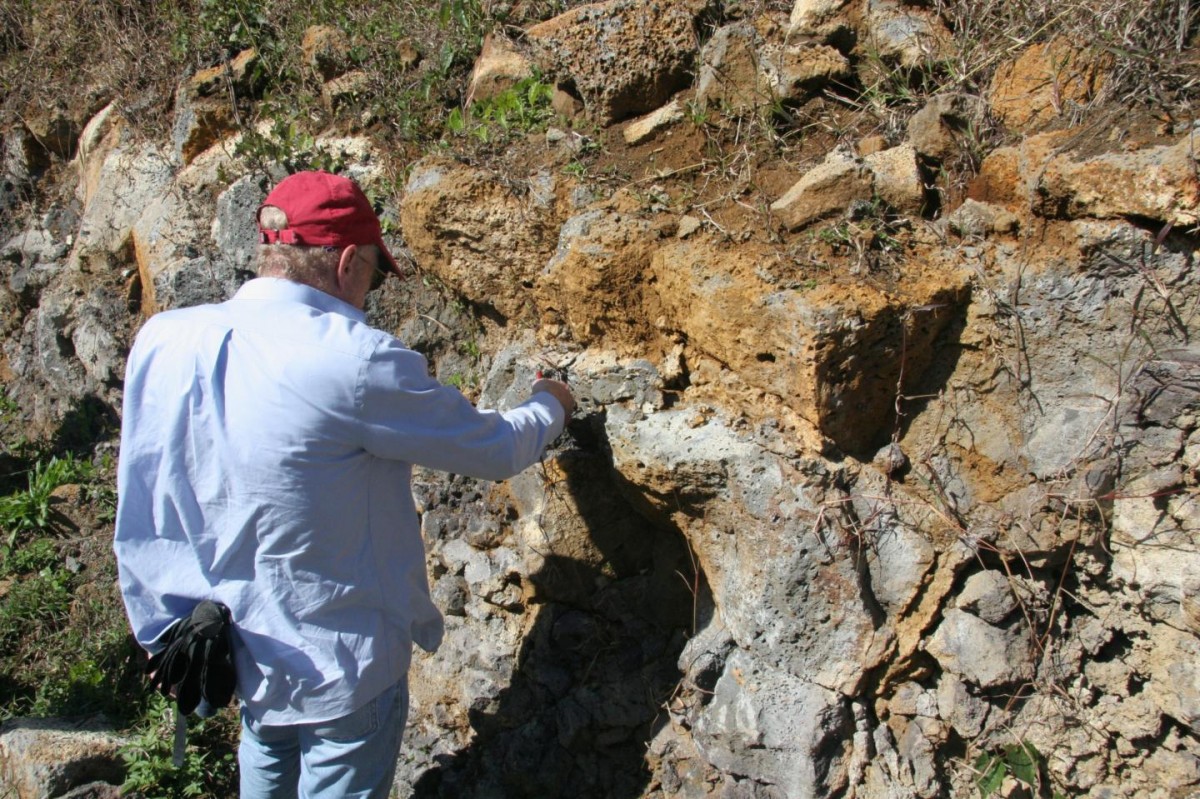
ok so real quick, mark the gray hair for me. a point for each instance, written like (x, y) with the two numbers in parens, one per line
(313, 266)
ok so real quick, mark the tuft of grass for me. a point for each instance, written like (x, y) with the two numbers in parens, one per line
(523, 108)
(26, 512)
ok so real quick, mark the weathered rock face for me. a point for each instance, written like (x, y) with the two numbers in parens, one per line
(832, 353)
(622, 57)
(483, 238)
(817, 529)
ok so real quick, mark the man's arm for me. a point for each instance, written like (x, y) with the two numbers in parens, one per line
(407, 415)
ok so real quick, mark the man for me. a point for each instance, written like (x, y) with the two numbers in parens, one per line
(266, 455)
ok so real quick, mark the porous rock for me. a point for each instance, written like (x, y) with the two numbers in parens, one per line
(623, 57)
(1158, 183)
(831, 353)
(477, 234)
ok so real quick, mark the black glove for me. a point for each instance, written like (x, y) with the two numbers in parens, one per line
(197, 662)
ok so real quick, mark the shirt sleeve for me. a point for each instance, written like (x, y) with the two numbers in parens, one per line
(409, 416)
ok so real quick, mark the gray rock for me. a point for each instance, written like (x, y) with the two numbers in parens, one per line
(450, 595)
(904, 35)
(980, 653)
(32, 247)
(916, 749)
(988, 595)
(911, 699)
(794, 603)
(959, 708)
(234, 227)
(974, 218)
(934, 129)
(1174, 684)
(22, 161)
(898, 561)
(789, 733)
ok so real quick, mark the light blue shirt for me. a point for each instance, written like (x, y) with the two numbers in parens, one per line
(266, 456)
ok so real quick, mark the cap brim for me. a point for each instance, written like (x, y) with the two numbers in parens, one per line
(387, 256)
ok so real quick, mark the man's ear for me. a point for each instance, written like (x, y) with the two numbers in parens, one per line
(345, 266)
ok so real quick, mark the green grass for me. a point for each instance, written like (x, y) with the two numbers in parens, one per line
(26, 512)
(523, 108)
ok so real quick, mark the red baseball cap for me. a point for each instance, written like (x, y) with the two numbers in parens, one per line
(324, 209)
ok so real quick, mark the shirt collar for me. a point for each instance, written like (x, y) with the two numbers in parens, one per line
(277, 288)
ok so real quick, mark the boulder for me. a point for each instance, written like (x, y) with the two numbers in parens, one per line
(645, 128)
(795, 72)
(595, 279)
(23, 162)
(345, 89)
(326, 51)
(50, 757)
(959, 708)
(622, 57)
(974, 219)
(825, 190)
(944, 125)
(897, 179)
(729, 76)
(898, 561)
(500, 66)
(235, 226)
(758, 544)
(831, 353)
(821, 18)
(988, 595)
(1158, 183)
(53, 128)
(740, 70)
(1174, 665)
(478, 234)
(900, 34)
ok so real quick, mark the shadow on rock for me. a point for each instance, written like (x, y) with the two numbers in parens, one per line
(596, 668)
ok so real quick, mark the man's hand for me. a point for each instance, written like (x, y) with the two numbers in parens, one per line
(558, 390)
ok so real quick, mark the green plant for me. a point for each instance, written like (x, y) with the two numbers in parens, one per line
(576, 168)
(221, 26)
(31, 557)
(209, 765)
(287, 144)
(29, 511)
(470, 348)
(38, 600)
(1020, 760)
(520, 109)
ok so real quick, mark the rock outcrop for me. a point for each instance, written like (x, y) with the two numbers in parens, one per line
(871, 475)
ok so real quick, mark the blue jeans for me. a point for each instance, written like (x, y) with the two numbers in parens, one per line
(352, 756)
